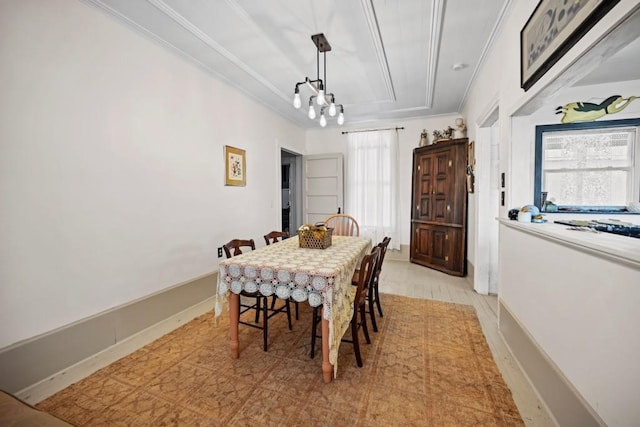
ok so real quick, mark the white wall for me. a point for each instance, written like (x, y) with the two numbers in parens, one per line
(589, 326)
(111, 166)
(331, 140)
(498, 81)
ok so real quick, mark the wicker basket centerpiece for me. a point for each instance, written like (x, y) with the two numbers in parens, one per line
(314, 236)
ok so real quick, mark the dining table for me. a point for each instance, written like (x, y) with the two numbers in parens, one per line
(319, 277)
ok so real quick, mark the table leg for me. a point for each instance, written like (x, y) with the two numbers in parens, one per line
(327, 368)
(234, 309)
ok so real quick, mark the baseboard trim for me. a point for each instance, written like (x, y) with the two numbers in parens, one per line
(562, 401)
(36, 368)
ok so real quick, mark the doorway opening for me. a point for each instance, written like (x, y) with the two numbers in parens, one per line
(291, 187)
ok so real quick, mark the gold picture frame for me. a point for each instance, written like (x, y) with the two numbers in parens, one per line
(235, 166)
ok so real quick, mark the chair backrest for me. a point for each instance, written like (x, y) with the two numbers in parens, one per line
(366, 272)
(343, 225)
(236, 246)
(383, 251)
(275, 236)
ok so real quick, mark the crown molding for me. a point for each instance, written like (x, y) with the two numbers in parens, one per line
(374, 30)
(187, 25)
(435, 35)
(487, 47)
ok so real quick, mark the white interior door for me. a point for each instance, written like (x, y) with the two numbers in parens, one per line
(323, 192)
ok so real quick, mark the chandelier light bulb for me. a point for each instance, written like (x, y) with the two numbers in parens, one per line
(312, 112)
(341, 118)
(296, 100)
(323, 120)
(332, 109)
(320, 98)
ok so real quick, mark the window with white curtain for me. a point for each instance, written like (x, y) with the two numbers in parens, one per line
(372, 184)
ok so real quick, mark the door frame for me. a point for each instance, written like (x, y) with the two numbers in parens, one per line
(486, 230)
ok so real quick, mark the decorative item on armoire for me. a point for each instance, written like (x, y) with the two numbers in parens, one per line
(461, 129)
(442, 135)
(589, 111)
(424, 138)
(471, 164)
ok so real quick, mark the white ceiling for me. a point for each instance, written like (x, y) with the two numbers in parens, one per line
(390, 59)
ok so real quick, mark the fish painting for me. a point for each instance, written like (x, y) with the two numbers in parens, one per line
(588, 111)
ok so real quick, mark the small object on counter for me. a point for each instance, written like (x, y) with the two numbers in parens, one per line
(538, 219)
(579, 228)
(524, 216)
(513, 214)
(550, 207)
(532, 209)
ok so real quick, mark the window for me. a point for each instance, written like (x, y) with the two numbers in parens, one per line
(588, 167)
(372, 184)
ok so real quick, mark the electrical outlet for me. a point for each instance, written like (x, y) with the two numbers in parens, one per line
(220, 252)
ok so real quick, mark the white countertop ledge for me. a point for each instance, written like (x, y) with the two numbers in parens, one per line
(621, 249)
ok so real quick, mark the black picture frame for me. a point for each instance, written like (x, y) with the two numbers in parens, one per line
(551, 30)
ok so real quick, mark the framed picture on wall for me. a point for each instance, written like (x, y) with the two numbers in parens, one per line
(553, 28)
(235, 166)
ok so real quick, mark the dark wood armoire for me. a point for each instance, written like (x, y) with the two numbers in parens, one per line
(439, 206)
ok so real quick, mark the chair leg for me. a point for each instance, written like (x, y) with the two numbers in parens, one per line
(354, 338)
(297, 318)
(372, 314)
(258, 301)
(314, 326)
(363, 321)
(375, 289)
(265, 323)
(273, 301)
(288, 308)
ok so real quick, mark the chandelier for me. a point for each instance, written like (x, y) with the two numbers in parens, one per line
(325, 101)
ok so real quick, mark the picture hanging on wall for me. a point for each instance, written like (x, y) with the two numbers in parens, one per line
(553, 28)
(235, 166)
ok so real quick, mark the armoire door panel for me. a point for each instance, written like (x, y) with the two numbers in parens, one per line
(425, 209)
(440, 210)
(439, 253)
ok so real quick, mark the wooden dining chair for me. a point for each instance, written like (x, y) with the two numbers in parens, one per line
(359, 319)
(275, 237)
(343, 225)
(260, 304)
(374, 294)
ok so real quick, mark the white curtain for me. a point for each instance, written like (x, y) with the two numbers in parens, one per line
(372, 184)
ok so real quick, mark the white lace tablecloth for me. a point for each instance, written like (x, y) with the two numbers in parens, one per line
(319, 276)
